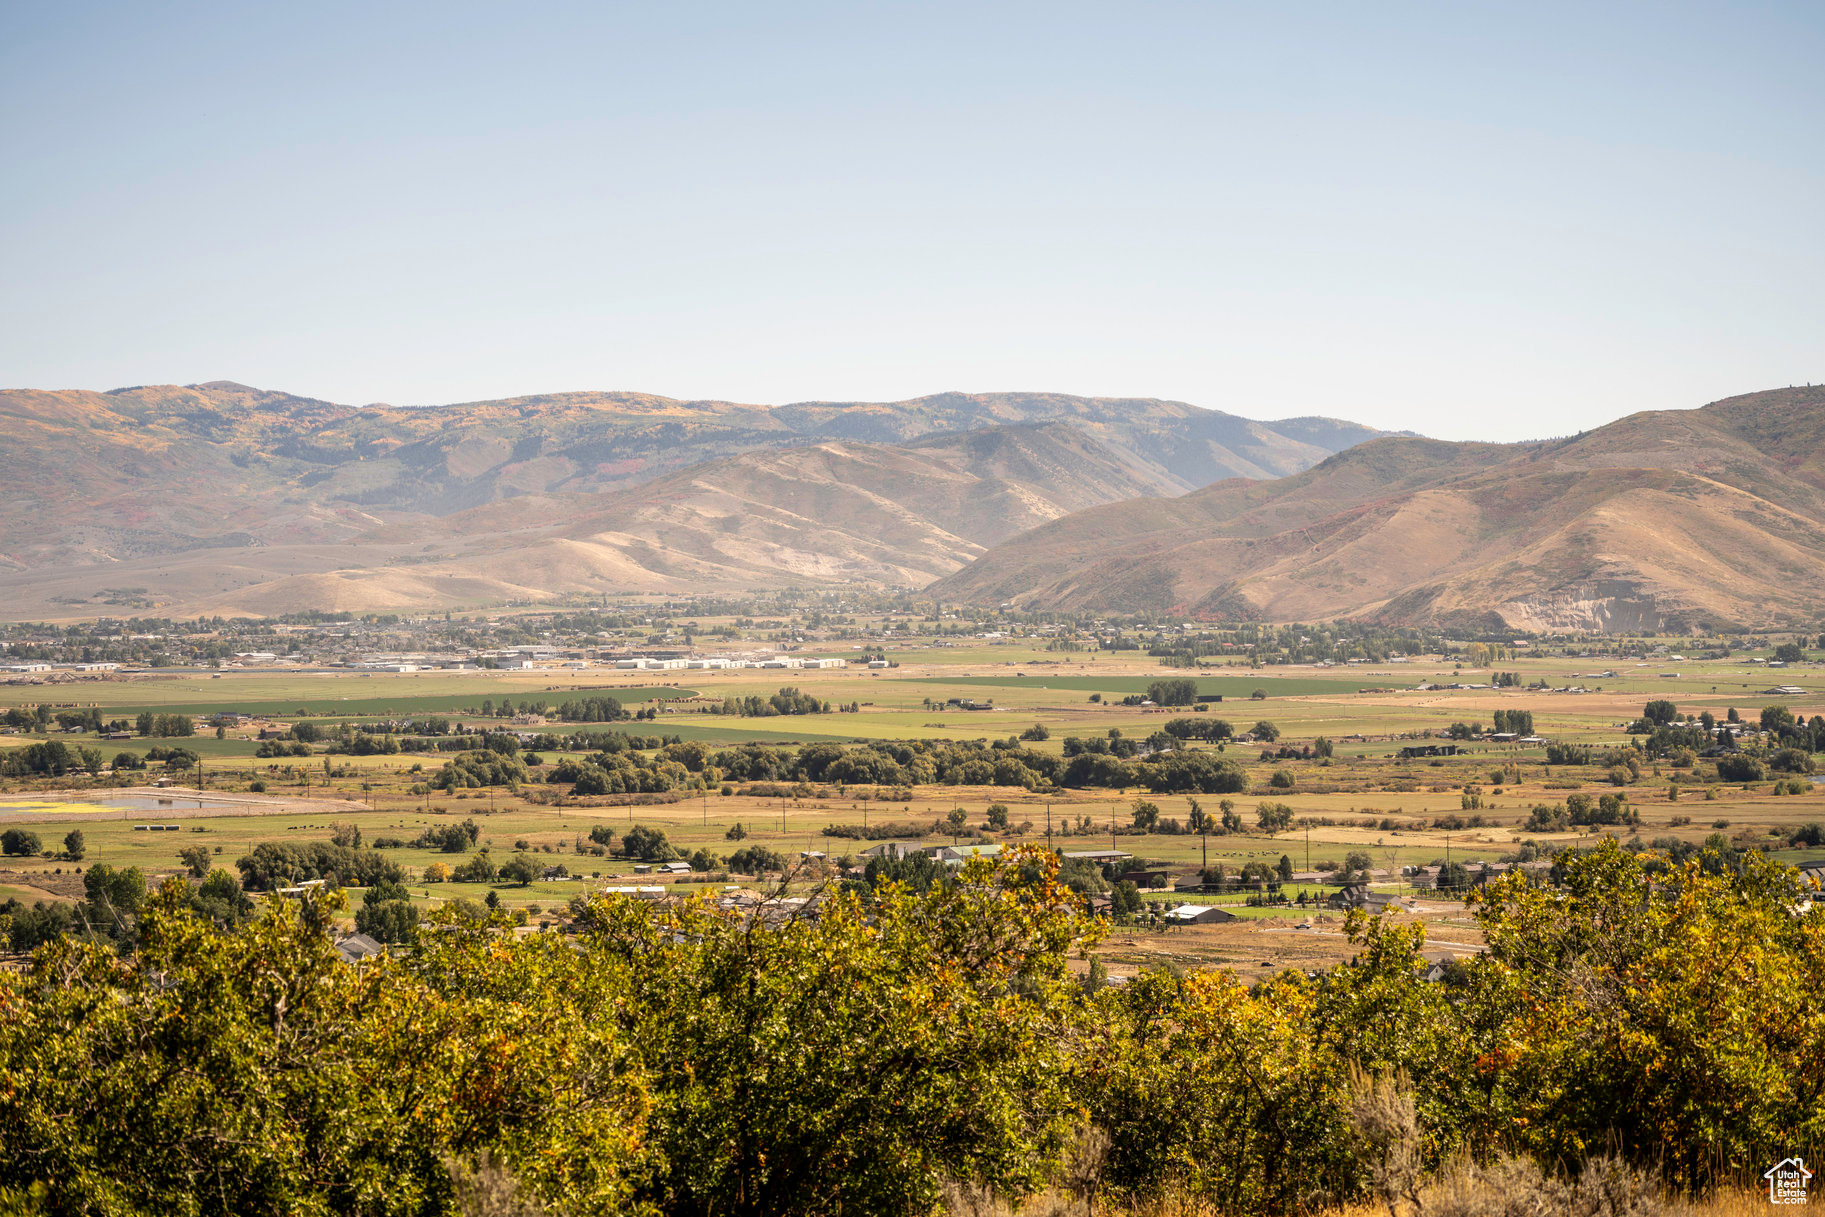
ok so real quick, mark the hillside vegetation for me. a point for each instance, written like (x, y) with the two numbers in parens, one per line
(1710, 517)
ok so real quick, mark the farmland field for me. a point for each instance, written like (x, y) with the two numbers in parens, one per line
(346, 694)
(1361, 799)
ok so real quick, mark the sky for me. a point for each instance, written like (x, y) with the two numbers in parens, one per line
(1488, 221)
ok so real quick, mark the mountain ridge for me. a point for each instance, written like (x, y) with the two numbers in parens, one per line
(200, 492)
(1660, 519)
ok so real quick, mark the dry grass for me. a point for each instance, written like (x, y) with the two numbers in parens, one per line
(1508, 1187)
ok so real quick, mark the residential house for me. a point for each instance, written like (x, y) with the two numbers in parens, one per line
(357, 947)
(1358, 896)
(1099, 856)
(957, 855)
(893, 849)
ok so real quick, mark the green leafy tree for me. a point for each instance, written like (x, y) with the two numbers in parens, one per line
(1232, 819)
(647, 844)
(1173, 692)
(916, 871)
(75, 846)
(758, 860)
(393, 921)
(520, 869)
(18, 842)
(255, 1072)
(1273, 817)
(479, 868)
(1244, 1107)
(792, 1062)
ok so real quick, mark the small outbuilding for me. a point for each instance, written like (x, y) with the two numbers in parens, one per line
(1199, 914)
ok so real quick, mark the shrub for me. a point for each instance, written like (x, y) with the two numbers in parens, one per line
(1791, 760)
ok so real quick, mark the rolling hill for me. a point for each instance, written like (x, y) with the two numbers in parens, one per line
(222, 498)
(1664, 519)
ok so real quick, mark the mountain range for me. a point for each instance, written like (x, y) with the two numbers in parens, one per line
(218, 498)
(1661, 520)
(222, 498)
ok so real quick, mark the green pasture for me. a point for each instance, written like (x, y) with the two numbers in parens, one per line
(348, 694)
(1232, 688)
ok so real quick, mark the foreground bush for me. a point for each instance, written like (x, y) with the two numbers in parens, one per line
(255, 1072)
(888, 1047)
(856, 1061)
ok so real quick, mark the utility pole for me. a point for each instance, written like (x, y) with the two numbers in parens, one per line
(1308, 848)
(1048, 826)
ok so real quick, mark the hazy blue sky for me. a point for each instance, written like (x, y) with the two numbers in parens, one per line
(1472, 220)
